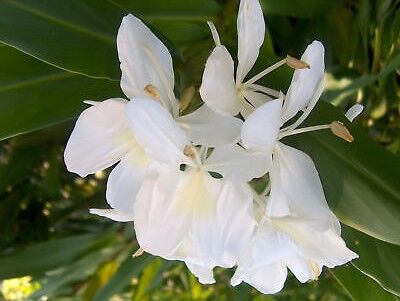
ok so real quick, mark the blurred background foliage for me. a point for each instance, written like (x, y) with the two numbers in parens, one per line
(55, 54)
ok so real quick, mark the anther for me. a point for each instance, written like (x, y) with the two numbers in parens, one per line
(296, 63)
(152, 91)
(339, 130)
(139, 252)
(188, 151)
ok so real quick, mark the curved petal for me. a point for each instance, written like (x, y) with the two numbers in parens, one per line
(251, 31)
(305, 81)
(261, 128)
(238, 164)
(113, 214)
(206, 127)
(100, 138)
(157, 131)
(125, 180)
(296, 189)
(144, 61)
(268, 278)
(218, 89)
(204, 274)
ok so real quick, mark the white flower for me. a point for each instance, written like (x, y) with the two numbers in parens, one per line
(102, 137)
(219, 89)
(297, 231)
(187, 214)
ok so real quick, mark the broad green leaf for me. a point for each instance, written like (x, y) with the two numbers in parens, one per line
(360, 179)
(74, 35)
(377, 260)
(129, 269)
(300, 9)
(34, 95)
(41, 257)
(360, 287)
(201, 10)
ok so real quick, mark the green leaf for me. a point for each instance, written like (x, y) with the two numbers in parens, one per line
(128, 269)
(360, 179)
(41, 257)
(200, 10)
(34, 95)
(378, 259)
(358, 286)
(74, 35)
(301, 9)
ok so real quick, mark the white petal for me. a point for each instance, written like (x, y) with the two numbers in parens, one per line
(268, 278)
(144, 60)
(257, 99)
(157, 131)
(354, 111)
(218, 89)
(206, 127)
(305, 81)
(261, 128)
(161, 220)
(101, 137)
(125, 180)
(113, 214)
(238, 164)
(204, 274)
(251, 31)
(296, 189)
(304, 269)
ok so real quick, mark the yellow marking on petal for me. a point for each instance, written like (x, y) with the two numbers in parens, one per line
(339, 130)
(296, 63)
(193, 197)
(315, 269)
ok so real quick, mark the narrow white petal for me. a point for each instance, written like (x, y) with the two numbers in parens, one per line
(251, 31)
(101, 137)
(238, 164)
(204, 274)
(113, 214)
(206, 127)
(354, 111)
(125, 180)
(257, 99)
(144, 60)
(157, 131)
(218, 89)
(305, 81)
(261, 128)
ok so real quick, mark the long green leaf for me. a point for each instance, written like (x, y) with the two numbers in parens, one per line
(359, 287)
(377, 259)
(360, 179)
(74, 35)
(34, 95)
(42, 257)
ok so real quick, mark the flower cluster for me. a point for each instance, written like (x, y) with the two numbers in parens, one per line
(186, 181)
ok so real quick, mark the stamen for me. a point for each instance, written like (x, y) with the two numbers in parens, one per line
(266, 90)
(265, 72)
(152, 91)
(296, 63)
(339, 130)
(139, 252)
(214, 33)
(303, 130)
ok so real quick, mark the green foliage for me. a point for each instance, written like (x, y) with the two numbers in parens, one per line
(55, 54)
